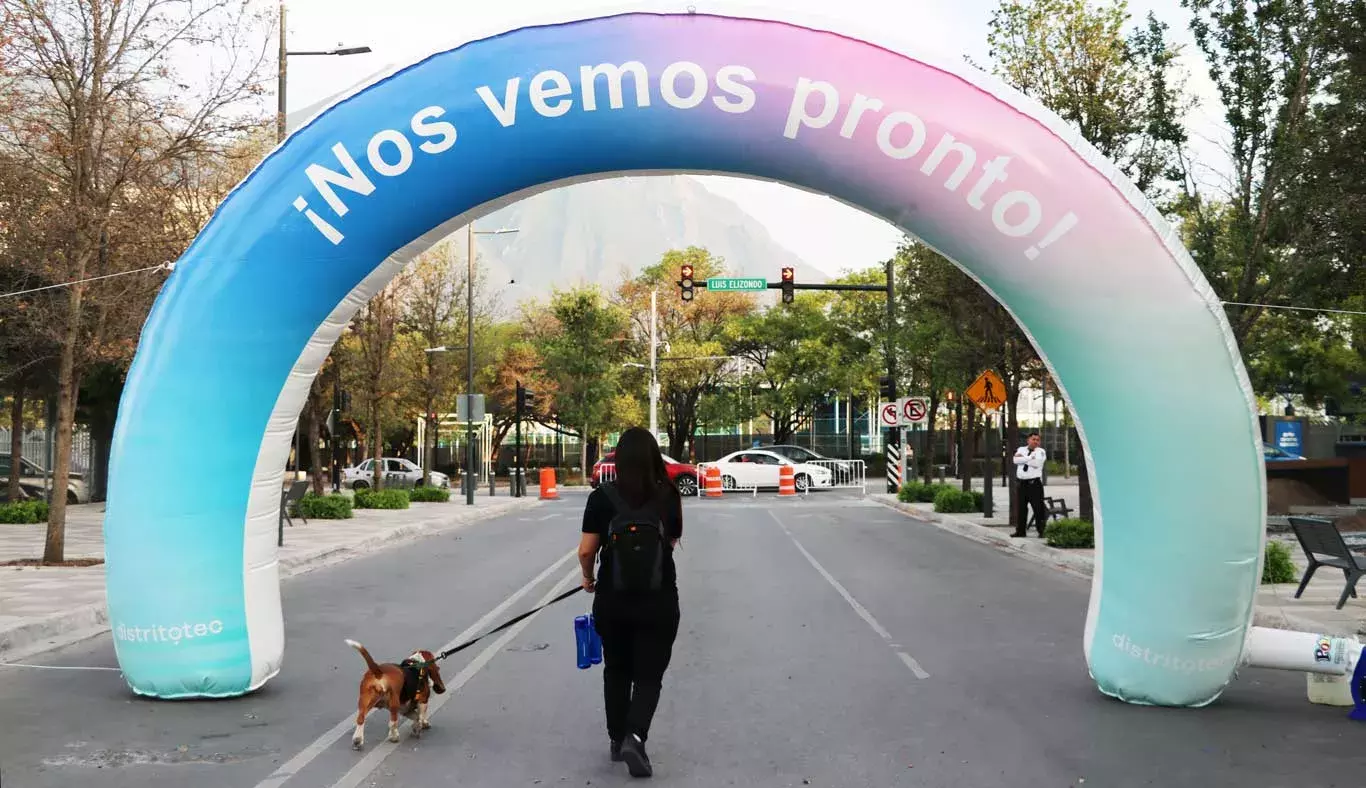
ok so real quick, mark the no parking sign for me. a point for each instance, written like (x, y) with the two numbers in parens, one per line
(914, 410)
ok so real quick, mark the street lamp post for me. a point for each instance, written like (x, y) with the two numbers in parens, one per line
(280, 114)
(469, 358)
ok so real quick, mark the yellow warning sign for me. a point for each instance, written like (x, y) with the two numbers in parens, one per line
(987, 392)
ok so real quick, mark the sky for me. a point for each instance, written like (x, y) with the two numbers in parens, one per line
(830, 236)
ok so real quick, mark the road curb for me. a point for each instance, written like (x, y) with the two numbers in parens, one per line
(83, 623)
(1080, 565)
(1031, 549)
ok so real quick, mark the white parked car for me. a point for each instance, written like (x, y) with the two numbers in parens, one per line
(397, 472)
(752, 468)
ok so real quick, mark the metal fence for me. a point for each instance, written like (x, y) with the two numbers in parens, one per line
(844, 474)
(38, 446)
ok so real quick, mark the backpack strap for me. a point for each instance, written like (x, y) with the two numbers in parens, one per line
(614, 495)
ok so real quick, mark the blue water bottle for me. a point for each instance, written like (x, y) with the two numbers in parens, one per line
(583, 637)
(594, 641)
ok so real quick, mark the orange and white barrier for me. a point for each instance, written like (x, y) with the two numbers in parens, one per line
(787, 481)
(712, 475)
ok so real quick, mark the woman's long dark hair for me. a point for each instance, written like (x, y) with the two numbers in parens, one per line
(641, 475)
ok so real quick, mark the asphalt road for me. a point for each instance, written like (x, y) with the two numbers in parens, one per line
(826, 641)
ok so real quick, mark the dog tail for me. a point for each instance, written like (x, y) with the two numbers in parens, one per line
(369, 661)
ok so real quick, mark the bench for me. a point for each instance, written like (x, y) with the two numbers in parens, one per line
(1056, 507)
(1323, 545)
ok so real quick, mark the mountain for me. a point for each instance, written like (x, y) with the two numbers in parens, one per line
(602, 232)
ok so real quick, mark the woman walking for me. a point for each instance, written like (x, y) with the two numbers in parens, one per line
(633, 523)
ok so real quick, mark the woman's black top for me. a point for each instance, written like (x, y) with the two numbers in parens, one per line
(597, 518)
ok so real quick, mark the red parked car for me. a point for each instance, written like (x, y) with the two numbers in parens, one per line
(683, 475)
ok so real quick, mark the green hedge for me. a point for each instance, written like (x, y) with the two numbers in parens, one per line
(951, 501)
(382, 499)
(1070, 532)
(429, 494)
(23, 512)
(919, 492)
(1278, 568)
(324, 507)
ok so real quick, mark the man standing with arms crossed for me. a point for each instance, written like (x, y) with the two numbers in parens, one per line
(1029, 460)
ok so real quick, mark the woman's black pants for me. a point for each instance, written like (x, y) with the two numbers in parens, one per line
(638, 635)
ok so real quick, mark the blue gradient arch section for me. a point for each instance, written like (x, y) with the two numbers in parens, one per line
(979, 172)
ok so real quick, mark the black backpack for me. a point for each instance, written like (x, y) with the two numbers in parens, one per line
(636, 539)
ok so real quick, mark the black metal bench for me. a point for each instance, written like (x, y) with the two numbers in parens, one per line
(1323, 546)
(1056, 507)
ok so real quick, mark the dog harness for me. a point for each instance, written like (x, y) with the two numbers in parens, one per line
(414, 676)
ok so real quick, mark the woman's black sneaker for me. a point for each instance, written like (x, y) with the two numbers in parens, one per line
(616, 752)
(633, 752)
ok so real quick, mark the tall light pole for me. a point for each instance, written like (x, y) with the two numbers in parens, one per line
(284, 59)
(469, 358)
(280, 114)
(654, 370)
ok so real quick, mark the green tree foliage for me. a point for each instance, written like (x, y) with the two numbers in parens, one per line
(580, 342)
(1117, 88)
(792, 359)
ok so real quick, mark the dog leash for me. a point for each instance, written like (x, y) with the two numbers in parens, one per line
(503, 626)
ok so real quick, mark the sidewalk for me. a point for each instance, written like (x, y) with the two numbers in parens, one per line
(1276, 606)
(46, 607)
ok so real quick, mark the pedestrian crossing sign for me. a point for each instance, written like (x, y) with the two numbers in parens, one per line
(987, 392)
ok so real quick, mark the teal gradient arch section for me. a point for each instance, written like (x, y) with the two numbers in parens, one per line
(999, 185)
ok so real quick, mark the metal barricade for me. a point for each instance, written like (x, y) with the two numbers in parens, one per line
(844, 475)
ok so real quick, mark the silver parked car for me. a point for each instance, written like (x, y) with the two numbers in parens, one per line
(31, 479)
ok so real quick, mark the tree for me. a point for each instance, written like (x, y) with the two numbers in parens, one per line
(517, 361)
(97, 112)
(580, 340)
(1119, 91)
(369, 351)
(1269, 60)
(434, 313)
(792, 361)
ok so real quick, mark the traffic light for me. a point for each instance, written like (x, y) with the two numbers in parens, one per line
(886, 388)
(685, 283)
(526, 398)
(789, 279)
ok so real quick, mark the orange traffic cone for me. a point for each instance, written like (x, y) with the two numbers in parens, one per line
(713, 481)
(787, 484)
(548, 492)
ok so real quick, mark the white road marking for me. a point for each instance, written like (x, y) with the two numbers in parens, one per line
(375, 757)
(854, 603)
(548, 517)
(306, 756)
(53, 667)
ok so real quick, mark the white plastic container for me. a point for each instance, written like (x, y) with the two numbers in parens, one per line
(1329, 690)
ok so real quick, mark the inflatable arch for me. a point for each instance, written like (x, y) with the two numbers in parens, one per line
(995, 182)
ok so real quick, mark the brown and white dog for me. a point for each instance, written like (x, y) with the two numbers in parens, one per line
(402, 689)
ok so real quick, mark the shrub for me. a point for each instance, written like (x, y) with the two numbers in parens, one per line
(910, 492)
(977, 496)
(429, 494)
(23, 512)
(1070, 532)
(951, 501)
(1278, 568)
(381, 499)
(324, 507)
